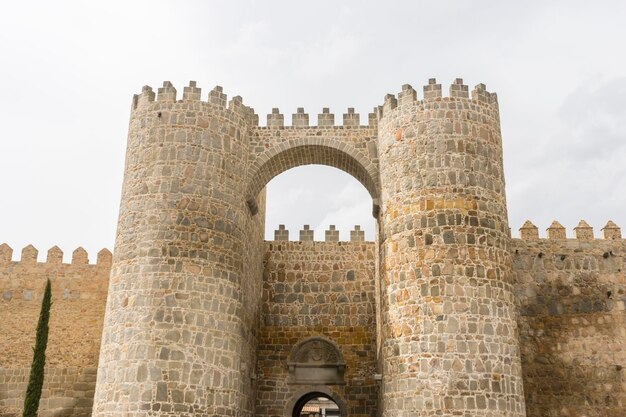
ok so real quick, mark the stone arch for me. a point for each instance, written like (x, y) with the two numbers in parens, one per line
(337, 155)
(300, 397)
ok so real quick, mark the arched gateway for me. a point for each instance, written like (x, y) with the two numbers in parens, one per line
(191, 326)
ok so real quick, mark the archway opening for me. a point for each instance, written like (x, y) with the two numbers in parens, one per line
(318, 196)
(285, 157)
(316, 404)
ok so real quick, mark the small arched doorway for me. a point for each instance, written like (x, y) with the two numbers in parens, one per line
(316, 401)
(316, 404)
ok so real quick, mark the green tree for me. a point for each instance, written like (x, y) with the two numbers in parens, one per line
(35, 381)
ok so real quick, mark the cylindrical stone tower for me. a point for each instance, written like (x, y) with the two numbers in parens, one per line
(450, 344)
(177, 333)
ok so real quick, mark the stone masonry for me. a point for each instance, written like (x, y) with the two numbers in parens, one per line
(79, 293)
(443, 315)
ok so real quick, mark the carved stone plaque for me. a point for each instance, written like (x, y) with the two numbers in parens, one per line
(316, 361)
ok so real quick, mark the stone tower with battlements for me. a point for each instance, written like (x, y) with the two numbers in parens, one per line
(182, 330)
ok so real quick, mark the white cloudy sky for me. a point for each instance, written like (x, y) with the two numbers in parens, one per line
(69, 69)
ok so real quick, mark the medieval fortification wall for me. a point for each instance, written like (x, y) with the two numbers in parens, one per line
(444, 314)
(571, 295)
(318, 289)
(79, 292)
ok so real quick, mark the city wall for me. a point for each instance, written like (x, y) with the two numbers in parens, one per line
(571, 294)
(79, 292)
(318, 289)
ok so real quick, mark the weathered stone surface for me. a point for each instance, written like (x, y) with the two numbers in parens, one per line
(185, 288)
(313, 289)
(204, 318)
(79, 294)
(446, 287)
(572, 297)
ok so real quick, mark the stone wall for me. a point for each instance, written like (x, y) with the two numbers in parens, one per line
(318, 289)
(79, 293)
(571, 295)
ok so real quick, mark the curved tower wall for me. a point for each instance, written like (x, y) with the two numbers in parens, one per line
(184, 287)
(450, 342)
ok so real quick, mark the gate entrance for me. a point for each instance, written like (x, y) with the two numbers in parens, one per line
(316, 404)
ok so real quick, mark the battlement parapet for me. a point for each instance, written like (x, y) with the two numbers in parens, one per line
(301, 120)
(167, 92)
(432, 93)
(326, 118)
(306, 234)
(54, 257)
(611, 231)
(166, 101)
(330, 235)
(281, 233)
(582, 231)
(191, 92)
(357, 235)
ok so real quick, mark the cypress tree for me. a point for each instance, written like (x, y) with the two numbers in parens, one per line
(35, 381)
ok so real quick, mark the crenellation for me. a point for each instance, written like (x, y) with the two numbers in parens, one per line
(379, 113)
(54, 256)
(300, 118)
(432, 90)
(217, 97)
(407, 95)
(275, 119)
(390, 103)
(480, 93)
(306, 234)
(29, 255)
(458, 89)
(236, 106)
(144, 98)
(326, 118)
(332, 234)
(529, 231)
(556, 231)
(191, 92)
(6, 254)
(104, 258)
(167, 92)
(357, 235)
(611, 231)
(351, 119)
(80, 256)
(583, 231)
(281, 233)
(372, 118)
(253, 118)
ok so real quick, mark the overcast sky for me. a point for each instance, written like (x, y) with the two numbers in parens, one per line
(69, 70)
